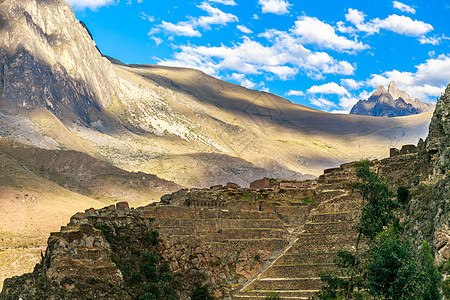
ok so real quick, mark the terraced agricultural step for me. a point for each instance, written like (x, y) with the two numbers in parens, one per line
(306, 258)
(283, 294)
(339, 206)
(334, 216)
(225, 233)
(325, 227)
(248, 244)
(286, 284)
(297, 271)
(215, 224)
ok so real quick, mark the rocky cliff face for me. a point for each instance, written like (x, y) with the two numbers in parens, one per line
(429, 209)
(390, 103)
(47, 58)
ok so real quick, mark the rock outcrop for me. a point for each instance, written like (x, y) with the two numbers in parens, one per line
(390, 103)
(429, 214)
(48, 59)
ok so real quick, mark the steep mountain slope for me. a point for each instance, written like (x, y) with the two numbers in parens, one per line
(40, 189)
(390, 103)
(58, 92)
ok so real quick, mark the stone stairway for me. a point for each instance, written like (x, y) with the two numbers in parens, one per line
(295, 274)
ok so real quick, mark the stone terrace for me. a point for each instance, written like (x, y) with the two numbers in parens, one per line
(295, 273)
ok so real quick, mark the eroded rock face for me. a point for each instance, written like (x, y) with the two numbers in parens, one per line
(43, 42)
(390, 103)
(429, 212)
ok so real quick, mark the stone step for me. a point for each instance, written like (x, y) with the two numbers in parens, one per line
(327, 195)
(283, 294)
(225, 233)
(323, 242)
(286, 284)
(268, 245)
(297, 271)
(206, 213)
(215, 224)
(306, 258)
(342, 206)
(329, 227)
(334, 216)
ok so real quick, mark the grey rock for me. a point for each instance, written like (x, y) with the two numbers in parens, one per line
(390, 103)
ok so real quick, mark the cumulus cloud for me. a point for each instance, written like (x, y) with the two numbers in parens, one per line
(295, 93)
(328, 88)
(244, 29)
(225, 2)
(426, 83)
(278, 7)
(403, 7)
(404, 25)
(242, 80)
(350, 83)
(215, 17)
(144, 16)
(92, 4)
(313, 31)
(181, 28)
(283, 58)
(322, 103)
(189, 28)
(395, 23)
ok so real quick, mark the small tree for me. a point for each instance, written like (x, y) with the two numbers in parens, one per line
(378, 206)
(393, 271)
(430, 275)
(402, 195)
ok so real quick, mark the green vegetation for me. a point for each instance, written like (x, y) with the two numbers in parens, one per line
(201, 292)
(388, 268)
(403, 195)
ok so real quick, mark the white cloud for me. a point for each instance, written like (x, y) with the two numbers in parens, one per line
(404, 25)
(182, 28)
(436, 40)
(283, 72)
(313, 31)
(189, 28)
(244, 29)
(328, 88)
(158, 41)
(242, 80)
(92, 4)
(278, 7)
(355, 16)
(215, 17)
(395, 23)
(350, 83)
(144, 16)
(295, 93)
(322, 103)
(285, 57)
(403, 7)
(224, 2)
(255, 17)
(426, 83)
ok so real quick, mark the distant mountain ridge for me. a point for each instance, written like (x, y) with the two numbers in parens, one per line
(390, 103)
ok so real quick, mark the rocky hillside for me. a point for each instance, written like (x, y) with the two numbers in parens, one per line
(429, 209)
(58, 92)
(390, 103)
(40, 189)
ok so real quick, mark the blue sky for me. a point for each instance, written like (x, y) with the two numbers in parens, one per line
(322, 54)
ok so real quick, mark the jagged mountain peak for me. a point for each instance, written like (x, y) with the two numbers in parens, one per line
(390, 102)
(43, 42)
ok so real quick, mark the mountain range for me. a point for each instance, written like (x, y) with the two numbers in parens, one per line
(144, 130)
(390, 103)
